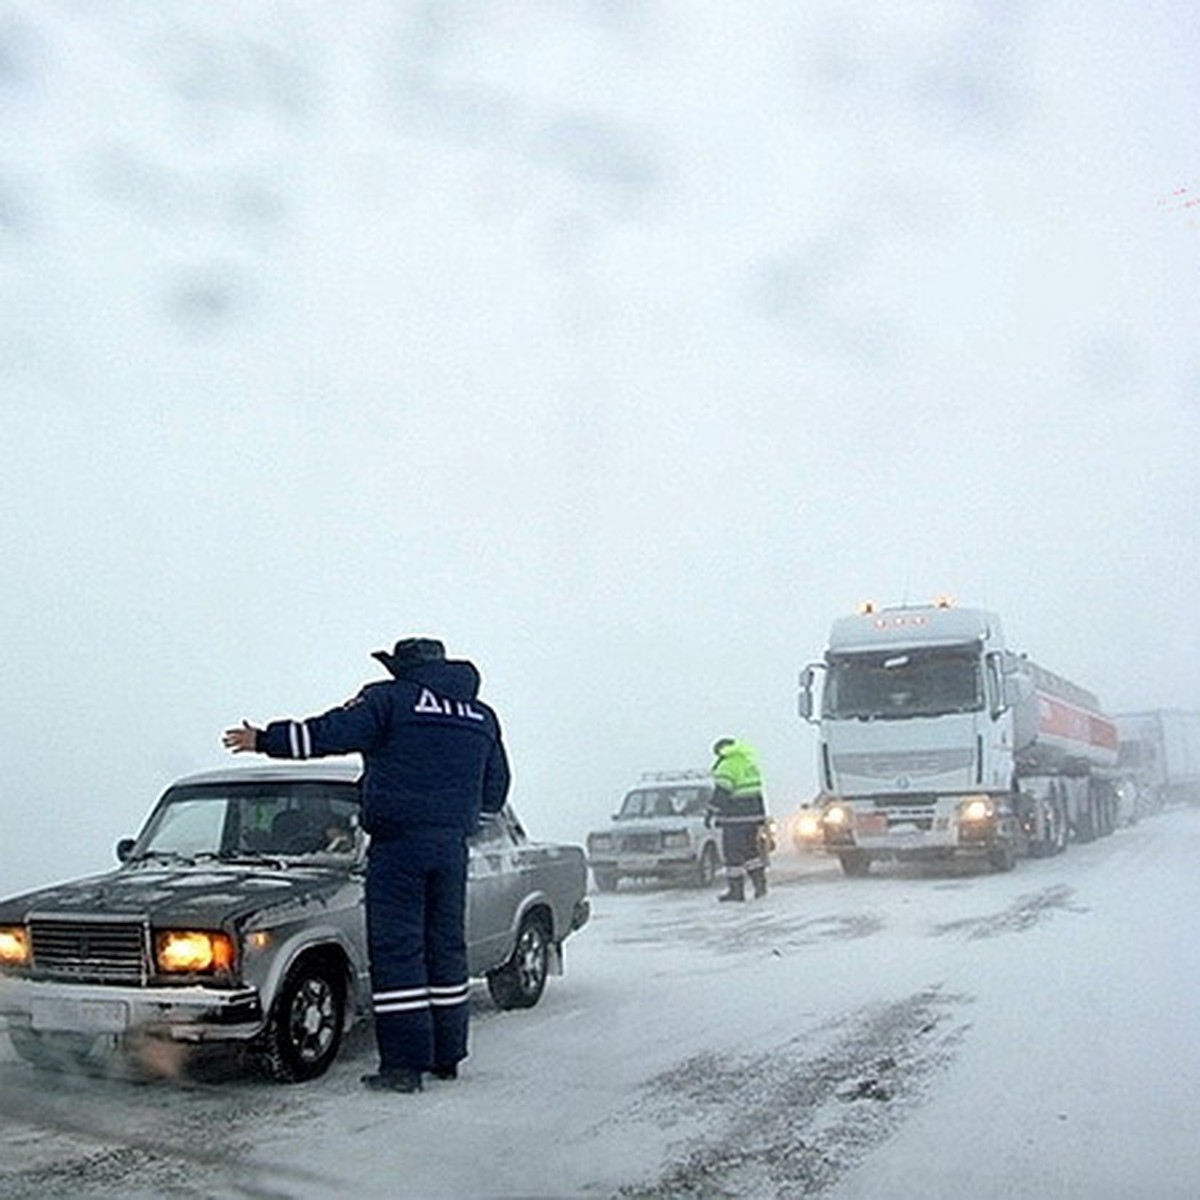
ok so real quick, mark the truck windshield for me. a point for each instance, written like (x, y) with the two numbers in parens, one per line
(903, 683)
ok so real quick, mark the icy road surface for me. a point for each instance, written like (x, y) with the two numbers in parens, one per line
(917, 1032)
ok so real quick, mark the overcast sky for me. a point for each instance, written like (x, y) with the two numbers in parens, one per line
(622, 345)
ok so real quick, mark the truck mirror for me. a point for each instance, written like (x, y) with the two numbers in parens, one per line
(124, 849)
(804, 701)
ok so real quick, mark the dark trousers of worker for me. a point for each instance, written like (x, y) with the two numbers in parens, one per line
(741, 847)
(416, 895)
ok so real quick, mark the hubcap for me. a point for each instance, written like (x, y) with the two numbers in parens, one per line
(312, 1018)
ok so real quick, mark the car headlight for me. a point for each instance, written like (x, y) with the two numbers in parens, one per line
(976, 808)
(677, 839)
(838, 815)
(600, 841)
(192, 951)
(14, 946)
(806, 826)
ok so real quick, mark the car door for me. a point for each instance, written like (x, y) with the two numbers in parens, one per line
(494, 893)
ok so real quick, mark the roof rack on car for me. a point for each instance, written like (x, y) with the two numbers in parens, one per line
(663, 776)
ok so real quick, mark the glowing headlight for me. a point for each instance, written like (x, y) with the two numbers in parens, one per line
(837, 815)
(14, 946)
(806, 825)
(676, 840)
(600, 841)
(978, 809)
(191, 950)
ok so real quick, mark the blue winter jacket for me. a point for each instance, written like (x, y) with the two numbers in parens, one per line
(432, 752)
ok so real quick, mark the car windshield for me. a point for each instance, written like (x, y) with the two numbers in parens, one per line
(246, 820)
(665, 802)
(911, 683)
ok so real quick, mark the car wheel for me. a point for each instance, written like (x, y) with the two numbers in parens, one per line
(305, 1027)
(606, 881)
(706, 872)
(520, 981)
(855, 863)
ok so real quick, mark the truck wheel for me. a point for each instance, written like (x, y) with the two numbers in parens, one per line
(520, 981)
(304, 1031)
(855, 863)
(606, 881)
(706, 872)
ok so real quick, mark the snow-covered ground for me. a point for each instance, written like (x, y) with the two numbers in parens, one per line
(914, 1033)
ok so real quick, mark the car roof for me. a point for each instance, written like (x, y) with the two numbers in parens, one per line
(322, 772)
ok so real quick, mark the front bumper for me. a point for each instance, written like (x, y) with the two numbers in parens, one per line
(185, 1014)
(645, 864)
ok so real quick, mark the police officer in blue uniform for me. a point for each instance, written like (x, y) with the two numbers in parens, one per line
(433, 760)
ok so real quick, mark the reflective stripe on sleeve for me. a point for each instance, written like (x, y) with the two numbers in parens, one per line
(299, 740)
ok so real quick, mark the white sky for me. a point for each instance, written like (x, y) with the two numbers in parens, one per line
(621, 345)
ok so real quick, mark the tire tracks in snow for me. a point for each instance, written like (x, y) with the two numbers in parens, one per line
(792, 1122)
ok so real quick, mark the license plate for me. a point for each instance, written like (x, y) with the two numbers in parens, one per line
(871, 824)
(80, 1016)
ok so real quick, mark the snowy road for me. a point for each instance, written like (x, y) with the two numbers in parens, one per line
(913, 1033)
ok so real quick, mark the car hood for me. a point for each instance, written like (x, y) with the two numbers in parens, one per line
(207, 893)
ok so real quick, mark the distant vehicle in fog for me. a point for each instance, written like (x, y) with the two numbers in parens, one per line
(1159, 753)
(659, 832)
(937, 740)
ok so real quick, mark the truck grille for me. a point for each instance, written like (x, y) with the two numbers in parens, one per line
(88, 951)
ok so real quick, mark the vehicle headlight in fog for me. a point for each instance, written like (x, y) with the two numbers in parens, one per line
(14, 946)
(976, 808)
(194, 951)
(600, 841)
(806, 826)
(677, 839)
(837, 815)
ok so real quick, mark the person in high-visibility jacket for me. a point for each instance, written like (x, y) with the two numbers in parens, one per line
(737, 809)
(433, 761)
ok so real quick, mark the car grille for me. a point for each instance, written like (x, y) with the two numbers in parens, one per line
(88, 951)
(639, 843)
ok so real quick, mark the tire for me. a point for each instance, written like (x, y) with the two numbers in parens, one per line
(606, 881)
(520, 981)
(1001, 857)
(855, 863)
(706, 872)
(305, 1028)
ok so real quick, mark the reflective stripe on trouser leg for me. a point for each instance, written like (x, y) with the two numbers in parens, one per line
(395, 909)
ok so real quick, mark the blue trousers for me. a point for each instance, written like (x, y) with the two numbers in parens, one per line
(416, 896)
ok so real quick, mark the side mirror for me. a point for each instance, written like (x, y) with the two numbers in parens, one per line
(804, 701)
(125, 849)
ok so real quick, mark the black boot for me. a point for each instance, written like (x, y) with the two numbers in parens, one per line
(398, 1079)
(759, 879)
(735, 889)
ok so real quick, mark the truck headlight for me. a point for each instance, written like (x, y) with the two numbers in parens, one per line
(14, 946)
(192, 951)
(976, 808)
(677, 839)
